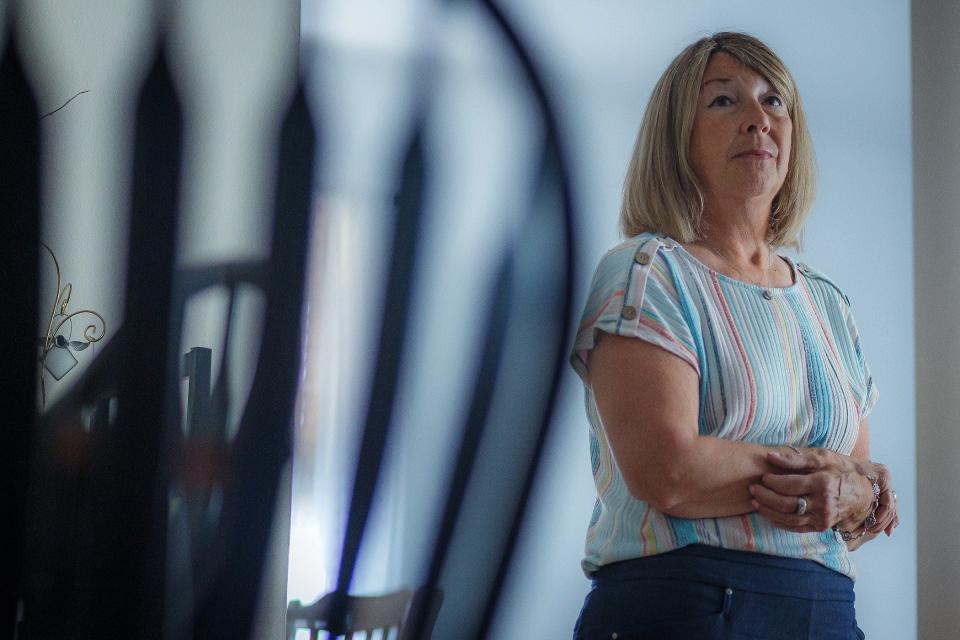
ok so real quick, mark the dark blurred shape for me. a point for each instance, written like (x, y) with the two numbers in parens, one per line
(98, 496)
(111, 454)
(124, 569)
(526, 330)
(422, 617)
(262, 444)
(386, 371)
(108, 556)
(19, 285)
(505, 432)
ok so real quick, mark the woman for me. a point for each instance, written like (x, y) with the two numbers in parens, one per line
(725, 386)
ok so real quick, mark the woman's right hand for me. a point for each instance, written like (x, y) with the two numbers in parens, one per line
(834, 486)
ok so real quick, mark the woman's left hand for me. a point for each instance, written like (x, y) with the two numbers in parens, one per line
(835, 490)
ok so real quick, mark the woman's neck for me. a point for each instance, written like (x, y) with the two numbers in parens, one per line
(739, 237)
(735, 243)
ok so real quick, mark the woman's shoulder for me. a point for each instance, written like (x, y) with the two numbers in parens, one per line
(629, 249)
(816, 278)
(638, 264)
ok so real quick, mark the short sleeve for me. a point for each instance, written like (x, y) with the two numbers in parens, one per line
(632, 294)
(862, 379)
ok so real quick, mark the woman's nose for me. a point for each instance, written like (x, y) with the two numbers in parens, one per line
(755, 119)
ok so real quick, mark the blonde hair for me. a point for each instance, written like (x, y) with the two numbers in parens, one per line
(661, 192)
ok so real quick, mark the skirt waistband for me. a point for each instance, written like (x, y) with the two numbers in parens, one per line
(740, 570)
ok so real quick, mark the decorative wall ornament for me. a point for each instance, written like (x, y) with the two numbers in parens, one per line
(57, 346)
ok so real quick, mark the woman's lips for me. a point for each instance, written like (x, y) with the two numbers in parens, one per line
(755, 153)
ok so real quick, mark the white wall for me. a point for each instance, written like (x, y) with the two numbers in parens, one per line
(86, 150)
(852, 63)
(936, 94)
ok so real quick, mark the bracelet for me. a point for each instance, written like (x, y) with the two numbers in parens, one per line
(870, 520)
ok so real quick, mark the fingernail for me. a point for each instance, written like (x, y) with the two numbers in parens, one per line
(756, 505)
(752, 488)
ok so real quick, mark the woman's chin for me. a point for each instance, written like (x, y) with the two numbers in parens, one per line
(751, 189)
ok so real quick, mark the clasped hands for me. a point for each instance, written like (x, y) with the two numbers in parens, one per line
(835, 488)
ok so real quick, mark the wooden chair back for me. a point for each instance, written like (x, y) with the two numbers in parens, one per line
(381, 616)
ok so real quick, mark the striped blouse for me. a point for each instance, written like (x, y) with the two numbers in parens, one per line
(776, 366)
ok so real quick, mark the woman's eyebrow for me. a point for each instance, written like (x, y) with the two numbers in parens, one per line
(714, 80)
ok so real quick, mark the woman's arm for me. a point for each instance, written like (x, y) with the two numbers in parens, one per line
(648, 400)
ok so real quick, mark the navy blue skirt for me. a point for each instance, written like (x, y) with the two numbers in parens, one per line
(700, 592)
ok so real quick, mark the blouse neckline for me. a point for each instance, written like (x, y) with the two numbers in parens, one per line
(794, 272)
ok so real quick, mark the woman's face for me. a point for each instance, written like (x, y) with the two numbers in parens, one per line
(740, 144)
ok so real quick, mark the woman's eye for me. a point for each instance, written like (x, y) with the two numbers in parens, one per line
(720, 101)
(775, 101)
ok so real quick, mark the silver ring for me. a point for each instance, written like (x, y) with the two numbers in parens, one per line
(801, 506)
(894, 494)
